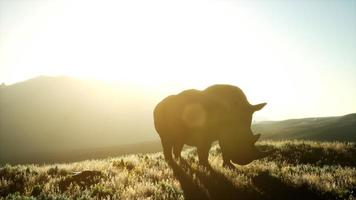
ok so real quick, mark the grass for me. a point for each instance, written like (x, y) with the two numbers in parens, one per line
(298, 170)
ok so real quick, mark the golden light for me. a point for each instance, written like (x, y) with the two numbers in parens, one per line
(165, 45)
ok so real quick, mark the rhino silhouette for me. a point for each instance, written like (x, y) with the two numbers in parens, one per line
(198, 118)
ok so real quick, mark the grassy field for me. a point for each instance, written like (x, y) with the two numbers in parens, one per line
(298, 170)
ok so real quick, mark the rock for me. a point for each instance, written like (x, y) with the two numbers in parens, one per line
(83, 179)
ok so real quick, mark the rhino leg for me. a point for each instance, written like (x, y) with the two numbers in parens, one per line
(203, 154)
(167, 150)
(177, 149)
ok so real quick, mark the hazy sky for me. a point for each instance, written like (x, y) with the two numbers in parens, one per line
(299, 56)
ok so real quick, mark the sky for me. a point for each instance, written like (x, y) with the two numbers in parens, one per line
(298, 56)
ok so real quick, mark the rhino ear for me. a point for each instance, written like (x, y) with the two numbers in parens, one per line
(258, 107)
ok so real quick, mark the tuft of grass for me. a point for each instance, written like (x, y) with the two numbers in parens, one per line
(312, 152)
(298, 170)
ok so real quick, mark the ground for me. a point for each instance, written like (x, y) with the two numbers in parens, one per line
(298, 170)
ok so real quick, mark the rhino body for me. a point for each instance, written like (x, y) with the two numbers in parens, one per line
(198, 118)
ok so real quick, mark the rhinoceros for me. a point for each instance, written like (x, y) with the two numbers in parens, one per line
(199, 117)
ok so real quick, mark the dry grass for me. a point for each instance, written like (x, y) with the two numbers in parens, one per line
(298, 170)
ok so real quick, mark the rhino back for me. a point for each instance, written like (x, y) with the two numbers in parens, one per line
(229, 95)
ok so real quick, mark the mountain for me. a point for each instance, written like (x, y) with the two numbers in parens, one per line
(342, 128)
(51, 115)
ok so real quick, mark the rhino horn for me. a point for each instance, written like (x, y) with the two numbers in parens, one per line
(258, 107)
(255, 154)
(255, 138)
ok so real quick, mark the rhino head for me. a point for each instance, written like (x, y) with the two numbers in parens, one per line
(240, 147)
(248, 152)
